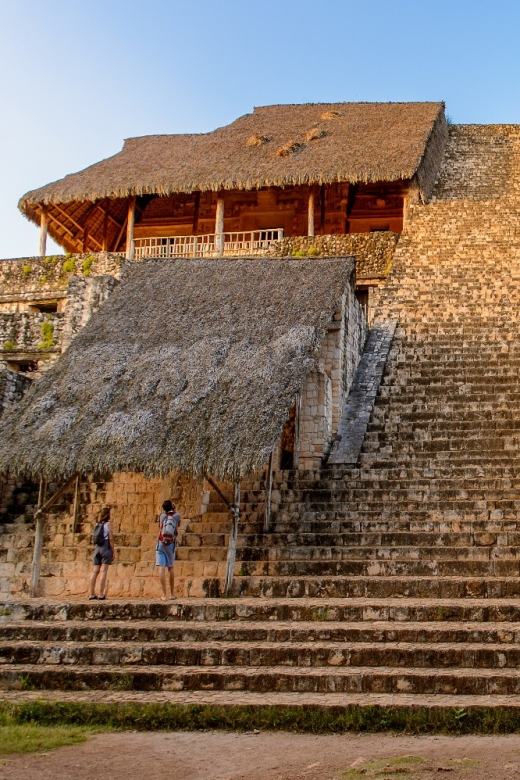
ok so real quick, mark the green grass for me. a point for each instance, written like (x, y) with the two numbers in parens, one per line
(33, 738)
(314, 720)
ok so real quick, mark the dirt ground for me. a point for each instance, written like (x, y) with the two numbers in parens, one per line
(271, 756)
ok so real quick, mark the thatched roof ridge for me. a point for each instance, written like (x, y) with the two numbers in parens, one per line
(189, 365)
(356, 142)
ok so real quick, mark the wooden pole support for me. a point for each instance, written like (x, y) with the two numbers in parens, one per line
(40, 525)
(130, 230)
(268, 491)
(219, 227)
(310, 214)
(76, 506)
(232, 546)
(44, 225)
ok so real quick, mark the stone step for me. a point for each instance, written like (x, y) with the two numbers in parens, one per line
(209, 653)
(264, 679)
(320, 610)
(403, 567)
(55, 634)
(369, 586)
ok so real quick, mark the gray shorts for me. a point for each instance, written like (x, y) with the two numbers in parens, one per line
(103, 555)
(164, 554)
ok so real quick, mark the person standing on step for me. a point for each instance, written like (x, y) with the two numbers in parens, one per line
(169, 521)
(104, 554)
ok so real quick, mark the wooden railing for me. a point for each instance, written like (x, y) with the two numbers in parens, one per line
(252, 242)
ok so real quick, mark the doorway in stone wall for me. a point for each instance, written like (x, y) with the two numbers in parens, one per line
(288, 441)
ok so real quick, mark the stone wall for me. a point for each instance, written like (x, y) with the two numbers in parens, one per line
(29, 279)
(84, 297)
(76, 285)
(374, 250)
(135, 503)
(326, 389)
(12, 388)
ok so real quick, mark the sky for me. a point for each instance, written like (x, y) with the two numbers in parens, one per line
(76, 79)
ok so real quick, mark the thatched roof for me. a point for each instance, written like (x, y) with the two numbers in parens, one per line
(189, 365)
(274, 146)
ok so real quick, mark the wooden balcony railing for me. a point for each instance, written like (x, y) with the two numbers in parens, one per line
(253, 242)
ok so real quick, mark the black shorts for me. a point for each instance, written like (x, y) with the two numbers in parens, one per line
(103, 555)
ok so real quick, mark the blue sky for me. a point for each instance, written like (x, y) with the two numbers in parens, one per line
(77, 78)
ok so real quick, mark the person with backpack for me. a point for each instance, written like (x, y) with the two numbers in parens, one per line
(169, 521)
(104, 553)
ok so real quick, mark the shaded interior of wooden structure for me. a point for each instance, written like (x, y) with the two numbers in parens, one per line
(339, 208)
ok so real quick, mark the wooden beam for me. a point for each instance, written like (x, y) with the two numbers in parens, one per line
(76, 506)
(296, 454)
(44, 226)
(232, 545)
(120, 235)
(58, 494)
(219, 226)
(40, 524)
(195, 225)
(268, 491)
(310, 214)
(76, 224)
(130, 229)
(322, 208)
(104, 245)
(217, 489)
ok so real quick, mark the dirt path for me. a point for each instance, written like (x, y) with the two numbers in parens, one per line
(271, 756)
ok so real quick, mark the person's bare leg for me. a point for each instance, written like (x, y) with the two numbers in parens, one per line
(103, 579)
(93, 578)
(162, 575)
(172, 582)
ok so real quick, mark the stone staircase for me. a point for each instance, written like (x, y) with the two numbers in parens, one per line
(395, 581)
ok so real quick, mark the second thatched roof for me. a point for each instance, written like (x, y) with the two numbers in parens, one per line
(189, 365)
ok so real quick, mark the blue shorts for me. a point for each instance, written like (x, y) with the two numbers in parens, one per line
(164, 554)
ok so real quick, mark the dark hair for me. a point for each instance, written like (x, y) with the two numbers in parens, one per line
(105, 514)
(167, 505)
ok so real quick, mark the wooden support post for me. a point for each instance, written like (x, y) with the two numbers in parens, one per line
(310, 215)
(196, 210)
(38, 541)
(219, 227)
(130, 230)
(296, 455)
(233, 533)
(322, 208)
(76, 507)
(44, 224)
(268, 491)
(40, 524)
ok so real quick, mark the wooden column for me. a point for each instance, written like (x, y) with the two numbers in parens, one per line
(38, 541)
(39, 516)
(310, 214)
(196, 209)
(130, 230)
(44, 223)
(296, 456)
(232, 546)
(219, 227)
(268, 491)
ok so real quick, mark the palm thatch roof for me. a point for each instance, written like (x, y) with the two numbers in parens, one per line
(189, 365)
(274, 146)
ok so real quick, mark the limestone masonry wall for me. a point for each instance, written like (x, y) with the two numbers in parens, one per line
(374, 250)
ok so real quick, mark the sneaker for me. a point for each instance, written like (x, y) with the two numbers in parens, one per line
(101, 598)
(92, 598)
